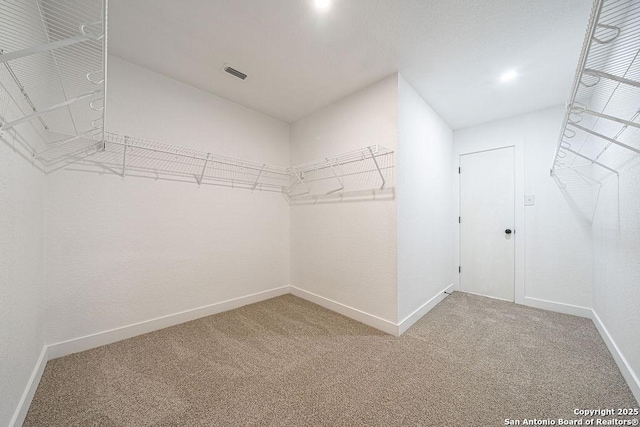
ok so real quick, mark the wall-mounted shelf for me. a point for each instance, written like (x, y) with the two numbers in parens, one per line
(605, 97)
(131, 156)
(368, 168)
(53, 71)
(52, 66)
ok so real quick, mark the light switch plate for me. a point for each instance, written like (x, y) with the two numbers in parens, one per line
(530, 200)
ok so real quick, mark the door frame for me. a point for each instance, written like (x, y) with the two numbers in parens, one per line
(514, 208)
(519, 261)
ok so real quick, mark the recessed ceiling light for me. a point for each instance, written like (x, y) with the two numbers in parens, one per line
(322, 4)
(508, 76)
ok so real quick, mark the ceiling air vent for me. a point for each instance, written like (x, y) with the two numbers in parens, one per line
(230, 70)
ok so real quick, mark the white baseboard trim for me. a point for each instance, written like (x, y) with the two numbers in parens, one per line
(558, 307)
(627, 372)
(350, 312)
(621, 361)
(409, 321)
(34, 380)
(107, 337)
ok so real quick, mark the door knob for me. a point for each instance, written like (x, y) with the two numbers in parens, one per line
(508, 231)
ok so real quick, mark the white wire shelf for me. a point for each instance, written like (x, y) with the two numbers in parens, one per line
(603, 110)
(52, 67)
(129, 156)
(368, 168)
(53, 84)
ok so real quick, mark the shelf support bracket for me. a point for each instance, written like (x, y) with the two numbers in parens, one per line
(43, 48)
(255, 184)
(204, 168)
(23, 91)
(300, 182)
(124, 157)
(339, 181)
(595, 162)
(9, 125)
(596, 73)
(612, 118)
(57, 144)
(606, 138)
(375, 161)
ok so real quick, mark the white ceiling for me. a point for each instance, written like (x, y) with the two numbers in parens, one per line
(300, 60)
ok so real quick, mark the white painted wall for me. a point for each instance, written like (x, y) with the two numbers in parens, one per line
(346, 251)
(556, 250)
(616, 243)
(22, 271)
(126, 251)
(425, 202)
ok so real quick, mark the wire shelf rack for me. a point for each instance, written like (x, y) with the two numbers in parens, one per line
(367, 168)
(604, 108)
(53, 84)
(129, 156)
(52, 66)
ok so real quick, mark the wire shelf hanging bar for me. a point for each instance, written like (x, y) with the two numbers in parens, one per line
(605, 96)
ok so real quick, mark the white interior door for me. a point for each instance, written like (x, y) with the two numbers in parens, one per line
(487, 218)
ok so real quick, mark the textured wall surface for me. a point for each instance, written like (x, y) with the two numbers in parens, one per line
(122, 251)
(346, 251)
(616, 244)
(557, 233)
(616, 229)
(22, 272)
(425, 201)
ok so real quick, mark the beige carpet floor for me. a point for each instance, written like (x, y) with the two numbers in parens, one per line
(471, 361)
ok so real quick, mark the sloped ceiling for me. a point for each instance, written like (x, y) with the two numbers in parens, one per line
(300, 59)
